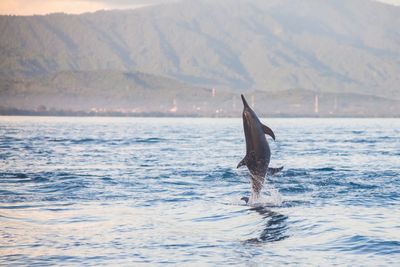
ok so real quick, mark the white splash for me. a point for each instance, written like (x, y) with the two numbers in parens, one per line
(269, 196)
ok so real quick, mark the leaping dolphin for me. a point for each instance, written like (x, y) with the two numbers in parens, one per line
(258, 153)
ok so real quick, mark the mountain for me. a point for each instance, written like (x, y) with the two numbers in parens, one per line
(342, 47)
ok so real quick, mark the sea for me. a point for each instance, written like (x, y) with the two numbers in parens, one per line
(108, 191)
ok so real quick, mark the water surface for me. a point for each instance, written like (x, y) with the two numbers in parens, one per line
(107, 191)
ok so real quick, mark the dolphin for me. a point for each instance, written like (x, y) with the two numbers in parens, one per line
(258, 153)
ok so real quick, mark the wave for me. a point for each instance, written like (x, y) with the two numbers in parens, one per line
(366, 245)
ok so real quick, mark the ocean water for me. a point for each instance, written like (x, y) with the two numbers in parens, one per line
(155, 191)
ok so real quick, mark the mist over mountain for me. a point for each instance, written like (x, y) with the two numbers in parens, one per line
(324, 47)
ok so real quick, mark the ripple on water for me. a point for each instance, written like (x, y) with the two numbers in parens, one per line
(359, 244)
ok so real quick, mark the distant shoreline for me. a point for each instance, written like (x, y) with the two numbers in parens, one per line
(171, 115)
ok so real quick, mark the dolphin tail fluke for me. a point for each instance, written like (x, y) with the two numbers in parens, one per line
(272, 171)
(242, 163)
(268, 131)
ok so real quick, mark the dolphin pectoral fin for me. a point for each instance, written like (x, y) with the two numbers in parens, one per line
(268, 131)
(272, 171)
(242, 163)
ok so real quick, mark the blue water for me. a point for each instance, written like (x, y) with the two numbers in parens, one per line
(131, 191)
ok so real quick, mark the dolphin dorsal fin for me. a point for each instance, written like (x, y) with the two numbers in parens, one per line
(268, 131)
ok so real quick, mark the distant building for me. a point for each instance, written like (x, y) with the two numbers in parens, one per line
(316, 106)
(335, 105)
(174, 106)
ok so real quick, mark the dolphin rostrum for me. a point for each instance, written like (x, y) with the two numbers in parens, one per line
(258, 153)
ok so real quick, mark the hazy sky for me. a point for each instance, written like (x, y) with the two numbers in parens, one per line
(30, 7)
(40, 7)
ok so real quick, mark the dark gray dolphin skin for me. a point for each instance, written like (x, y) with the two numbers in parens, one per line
(258, 153)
